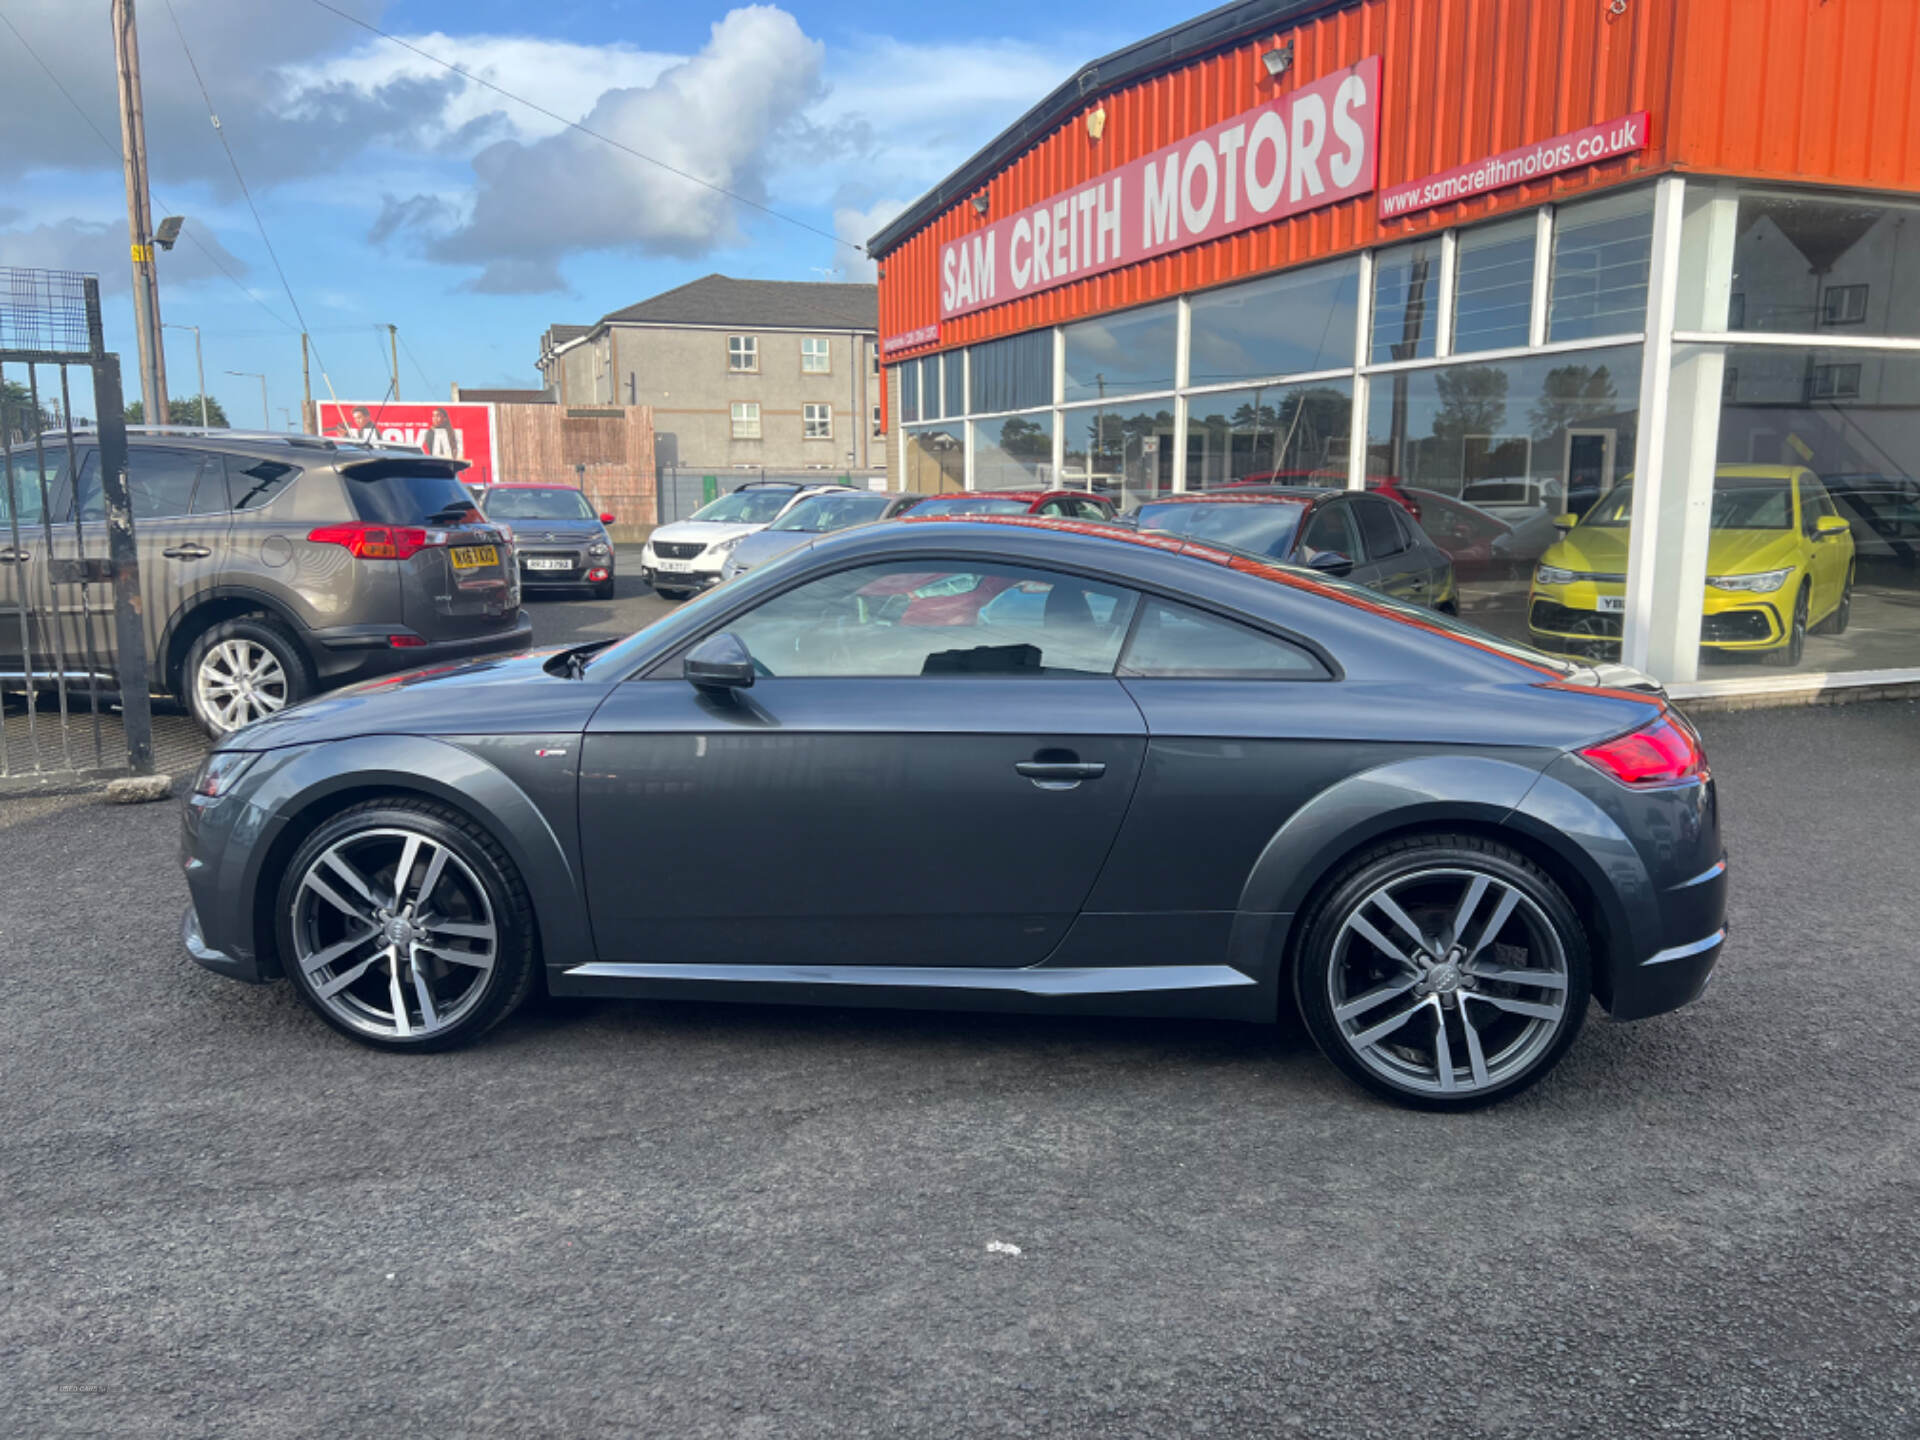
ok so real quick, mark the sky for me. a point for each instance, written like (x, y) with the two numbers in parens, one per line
(394, 191)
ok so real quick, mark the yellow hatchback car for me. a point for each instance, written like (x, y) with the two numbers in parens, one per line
(1779, 563)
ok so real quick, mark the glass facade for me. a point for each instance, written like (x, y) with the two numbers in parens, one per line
(1780, 528)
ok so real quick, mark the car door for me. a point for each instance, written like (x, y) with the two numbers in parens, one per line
(890, 790)
(23, 502)
(1396, 567)
(1829, 552)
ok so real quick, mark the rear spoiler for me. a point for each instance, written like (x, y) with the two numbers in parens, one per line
(378, 467)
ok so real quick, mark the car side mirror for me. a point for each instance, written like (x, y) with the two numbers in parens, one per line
(1330, 562)
(719, 664)
(1831, 525)
(606, 517)
(1565, 523)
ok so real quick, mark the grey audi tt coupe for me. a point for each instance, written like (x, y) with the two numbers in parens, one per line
(1001, 763)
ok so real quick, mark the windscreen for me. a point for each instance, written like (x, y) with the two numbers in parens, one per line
(744, 507)
(405, 492)
(1740, 502)
(970, 505)
(553, 503)
(1264, 529)
(833, 512)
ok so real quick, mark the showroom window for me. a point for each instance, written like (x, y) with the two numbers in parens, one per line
(1493, 286)
(1602, 250)
(1014, 452)
(953, 366)
(817, 421)
(1406, 284)
(1285, 434)
(815, 356)
(1127, 354)
(1124, 452)
(1012, 374)
(909, 391)
(743, 353)
(1289, 324)
(936, 458)
(746, 420)
(1803, 263)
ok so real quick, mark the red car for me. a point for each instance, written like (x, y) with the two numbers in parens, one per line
(1060, 504)
(1280, 481)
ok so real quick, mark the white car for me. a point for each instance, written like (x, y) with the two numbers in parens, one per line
(686, 557)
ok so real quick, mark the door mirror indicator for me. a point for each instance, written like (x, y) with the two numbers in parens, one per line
(719, 664)
(1330, 562)
(1831, 525)
(1565, 523)
(606, 517)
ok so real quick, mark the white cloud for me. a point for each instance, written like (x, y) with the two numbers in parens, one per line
(100, 248)
(857, 226)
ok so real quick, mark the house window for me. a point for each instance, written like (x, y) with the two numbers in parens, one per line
(873, 361)
(1834, 382)
(814, 356)
(819, 421)
(878, 429)
(746, 420)
(743, 354)
(1843, 305)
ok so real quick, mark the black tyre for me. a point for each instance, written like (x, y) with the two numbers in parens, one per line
(1842, 616)
(1443, 972)
(240, 670)
(604, 590)
(665, 594)
(1789, 654)
(405, 925)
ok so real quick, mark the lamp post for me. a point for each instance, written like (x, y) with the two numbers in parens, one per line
(266, 419)
(199, 370)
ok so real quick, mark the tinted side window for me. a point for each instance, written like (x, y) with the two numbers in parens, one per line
(256, 484)
(1383, 537)
(1409, 537)
(1174, 642)
(404, 492)
(160, 482)
(939, 618)
(1331, 528)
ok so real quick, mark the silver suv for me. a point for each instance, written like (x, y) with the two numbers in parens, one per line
(271, 567)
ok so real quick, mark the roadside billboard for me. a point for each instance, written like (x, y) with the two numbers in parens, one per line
(452, 431)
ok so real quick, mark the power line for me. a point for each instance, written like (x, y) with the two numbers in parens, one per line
(114, 150)
(417, 368)
(584, 130)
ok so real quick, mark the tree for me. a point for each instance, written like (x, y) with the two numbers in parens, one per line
(1569, 394)
(181, 410)
(1473, 401)
(1026, 440)
(18, 420)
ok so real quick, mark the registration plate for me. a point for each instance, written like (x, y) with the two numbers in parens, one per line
(472, 557)
(674, 567)
(1611, 604)
(549, 564)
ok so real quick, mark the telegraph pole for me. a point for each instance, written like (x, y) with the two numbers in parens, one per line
(393, 344)
(146, 282)
(306, 390)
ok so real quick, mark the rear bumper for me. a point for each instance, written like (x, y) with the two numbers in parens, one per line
(1669, 978)
(363, 652)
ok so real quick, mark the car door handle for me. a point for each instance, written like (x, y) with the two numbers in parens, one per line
(187, 552)
(1070, 771)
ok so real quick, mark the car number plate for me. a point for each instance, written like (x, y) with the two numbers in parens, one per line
(1611, 604)
(472, 557)
(549, 564)
(674, 567)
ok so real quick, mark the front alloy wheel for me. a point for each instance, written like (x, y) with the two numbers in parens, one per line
(1446, 973)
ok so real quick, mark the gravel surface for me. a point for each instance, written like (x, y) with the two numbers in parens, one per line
(694, 1220)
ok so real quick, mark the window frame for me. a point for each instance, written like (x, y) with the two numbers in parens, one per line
(743, 347)
(737, 418)
(808, 420)
(1851, 315)
(824, 354)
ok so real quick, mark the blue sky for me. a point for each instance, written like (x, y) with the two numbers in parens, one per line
(394, 192)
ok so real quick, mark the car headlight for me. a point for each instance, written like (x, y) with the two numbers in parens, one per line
(726, 547)
(1761, 583)
(598, 551)
(1553, 575)
(221, 770)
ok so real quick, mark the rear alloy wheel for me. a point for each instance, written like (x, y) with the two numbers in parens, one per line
(406, 927)
(243, 670)
(1444, 973)
(1789, 655)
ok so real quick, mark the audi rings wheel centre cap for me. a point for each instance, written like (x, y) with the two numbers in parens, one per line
(1444, 978)
(399, 932)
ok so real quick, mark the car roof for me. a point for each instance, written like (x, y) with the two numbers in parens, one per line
(532, 485)
(1278, 495)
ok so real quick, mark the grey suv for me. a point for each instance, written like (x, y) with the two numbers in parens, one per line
(271, 567)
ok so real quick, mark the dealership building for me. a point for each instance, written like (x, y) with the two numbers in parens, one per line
(1621, 298)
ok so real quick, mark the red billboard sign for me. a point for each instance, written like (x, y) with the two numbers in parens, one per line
(1299, 151)
(1590, 146)
(452, 431)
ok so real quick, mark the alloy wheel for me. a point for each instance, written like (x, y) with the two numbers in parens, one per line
(393, 933)
(240, 681)
(1448, 981)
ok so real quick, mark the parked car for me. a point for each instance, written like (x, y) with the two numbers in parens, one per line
(1282, 481)
(1062, 504)
(561, 541)
(1256, 790)
(815, 515)
(1358, 534)
(1780, 562)
(271, 567)
(686, 556)
(1481, 545)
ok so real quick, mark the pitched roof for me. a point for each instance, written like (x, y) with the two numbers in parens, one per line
(560, 334)
(791, 304)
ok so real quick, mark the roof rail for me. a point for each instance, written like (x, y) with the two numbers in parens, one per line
(293, 439)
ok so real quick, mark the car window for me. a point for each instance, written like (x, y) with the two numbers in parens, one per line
(253, 485)
(1814, 502)
(161, 481)
(210, 495)
(1175, 642)
(1383, 537)
(972, 505)
(1058, 508)
(1331, 528)
(1090, 509)
(745, 507)
(556, 503)
(1256, 526)
(822, 513)
(1409, 538)
(27, 490)
(939, 618)
(406, 492)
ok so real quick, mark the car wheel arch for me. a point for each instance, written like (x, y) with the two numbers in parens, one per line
(201, 613)
(328, 778)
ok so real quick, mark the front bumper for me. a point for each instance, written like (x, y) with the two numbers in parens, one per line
(581, 569)
(364, 652)
(695, 580)
(1567, 620)
(193, 937)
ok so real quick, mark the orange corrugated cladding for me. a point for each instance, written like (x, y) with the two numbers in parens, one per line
(1813, 91)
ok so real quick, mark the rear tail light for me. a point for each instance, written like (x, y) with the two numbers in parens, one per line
(1667, 752)
(379, 542)
(406, 642)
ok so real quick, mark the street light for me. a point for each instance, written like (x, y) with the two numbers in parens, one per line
(266, 420)
(198, 369)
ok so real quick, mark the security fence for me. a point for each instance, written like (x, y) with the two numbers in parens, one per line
(683, 489)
